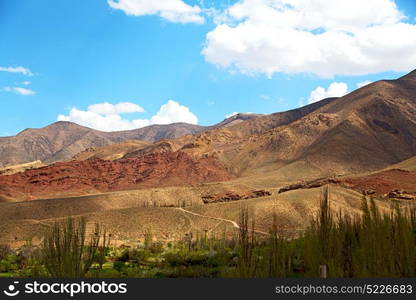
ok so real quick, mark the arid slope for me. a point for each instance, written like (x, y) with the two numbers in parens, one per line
(368, 129)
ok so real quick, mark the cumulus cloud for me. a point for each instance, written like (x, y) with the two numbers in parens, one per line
(107, 116)
(175, 11)
(321, 37)
(335, 89)
(173, 112)
(21, 70)
(19, 90)
(363, 83)
(115, 109)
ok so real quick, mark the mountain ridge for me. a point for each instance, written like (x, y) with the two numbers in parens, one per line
(364, 131)
(367, 129)
(62, 140)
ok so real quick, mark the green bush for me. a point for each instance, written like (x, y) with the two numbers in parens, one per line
(372, 244)
(4, 251)
(9, 263)
(119, 266)
(184, 257)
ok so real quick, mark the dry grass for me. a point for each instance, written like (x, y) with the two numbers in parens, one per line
(9, 170)
(128, 214)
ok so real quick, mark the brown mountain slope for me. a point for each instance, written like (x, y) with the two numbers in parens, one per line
(227, 134)
(62, 140)
(236, 119)
(368, 129)
(408, 164)
(375, 127)
(111, 152)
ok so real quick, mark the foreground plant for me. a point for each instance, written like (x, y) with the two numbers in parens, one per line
(372, 243)
(67, 251)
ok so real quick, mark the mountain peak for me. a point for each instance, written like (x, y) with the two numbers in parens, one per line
(237, 118)
(64, 125)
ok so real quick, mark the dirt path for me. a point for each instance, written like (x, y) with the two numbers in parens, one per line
(235, 225)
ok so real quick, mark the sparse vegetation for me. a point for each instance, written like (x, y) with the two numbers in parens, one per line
(373, 244)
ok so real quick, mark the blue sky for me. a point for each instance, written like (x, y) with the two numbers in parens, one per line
(211, 58)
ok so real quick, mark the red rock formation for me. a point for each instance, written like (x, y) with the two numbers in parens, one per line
(80, 177)
(393, 183)
(385, 182)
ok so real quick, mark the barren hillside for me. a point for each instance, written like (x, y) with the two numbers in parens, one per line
(62, 140)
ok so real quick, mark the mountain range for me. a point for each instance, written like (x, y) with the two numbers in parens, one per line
(368, 129)
(62, 140)
(363, 143)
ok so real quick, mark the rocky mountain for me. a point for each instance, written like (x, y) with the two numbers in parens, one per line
(408, 164)
(368, 129)
(236, 119)
(62, 140)
(233, 130)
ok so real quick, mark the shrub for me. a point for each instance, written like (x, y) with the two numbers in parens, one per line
(119, 266)
(184, 257)
(4, 251)
(103, 250)
(9, 263)
(65, 250)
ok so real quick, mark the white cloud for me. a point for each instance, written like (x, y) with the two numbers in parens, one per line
(107, 117)
(22, 70)
(23, 91)
(19, 90)
(322, 37)
(115, 109)
(363, 83)
(26, 82)
(231, 115)
(175, 11)
(173, 112)
(335, 89)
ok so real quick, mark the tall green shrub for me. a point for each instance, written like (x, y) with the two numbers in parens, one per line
(67, 251)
